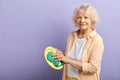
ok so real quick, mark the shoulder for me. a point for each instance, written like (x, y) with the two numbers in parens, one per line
(98, 37)
(73, 34)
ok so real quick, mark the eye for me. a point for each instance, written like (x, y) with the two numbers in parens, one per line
(79, 17)
(86, 17)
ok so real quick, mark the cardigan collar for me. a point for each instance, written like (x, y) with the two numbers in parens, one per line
(90, 35)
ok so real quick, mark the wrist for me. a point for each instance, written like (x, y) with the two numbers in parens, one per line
(68, 60)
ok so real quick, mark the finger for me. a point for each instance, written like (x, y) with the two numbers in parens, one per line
(55, 59)
(58, 50)
(55, 54)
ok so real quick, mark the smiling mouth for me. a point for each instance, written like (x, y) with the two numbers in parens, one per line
(83, 24)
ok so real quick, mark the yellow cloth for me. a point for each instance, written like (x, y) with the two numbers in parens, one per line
(51, 49)
(72, 78)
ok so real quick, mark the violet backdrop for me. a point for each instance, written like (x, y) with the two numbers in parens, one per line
(27, 27)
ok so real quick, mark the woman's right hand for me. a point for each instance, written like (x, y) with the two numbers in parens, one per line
(59, 55)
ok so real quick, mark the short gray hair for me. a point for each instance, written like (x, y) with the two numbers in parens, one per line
(90, 10)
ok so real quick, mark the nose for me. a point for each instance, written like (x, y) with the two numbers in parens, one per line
(82, 19)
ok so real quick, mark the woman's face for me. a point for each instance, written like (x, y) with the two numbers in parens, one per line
(83, 21)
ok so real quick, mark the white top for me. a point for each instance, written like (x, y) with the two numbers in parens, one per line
(75, 53)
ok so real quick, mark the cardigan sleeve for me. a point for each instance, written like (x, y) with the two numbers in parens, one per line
(68, 43)
(94, 62)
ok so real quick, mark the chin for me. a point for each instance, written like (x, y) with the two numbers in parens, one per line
(83, 28)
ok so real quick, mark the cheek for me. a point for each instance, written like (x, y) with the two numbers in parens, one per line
(89, 22)
(78, 19)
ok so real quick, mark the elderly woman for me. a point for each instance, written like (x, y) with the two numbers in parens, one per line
(84, 48)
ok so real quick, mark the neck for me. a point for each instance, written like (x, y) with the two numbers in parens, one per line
(84, 33)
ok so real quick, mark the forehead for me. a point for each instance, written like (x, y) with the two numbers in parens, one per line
(82, 12)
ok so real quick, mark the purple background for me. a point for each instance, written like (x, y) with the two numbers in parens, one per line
(28, 26)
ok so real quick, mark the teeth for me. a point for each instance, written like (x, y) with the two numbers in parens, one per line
(83, 24)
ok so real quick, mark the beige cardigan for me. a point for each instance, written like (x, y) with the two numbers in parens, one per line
(91, 56)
